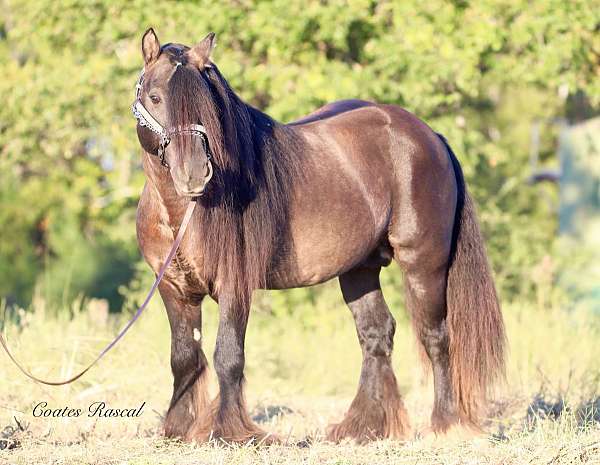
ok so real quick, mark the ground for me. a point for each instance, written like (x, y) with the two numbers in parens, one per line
(302, 369)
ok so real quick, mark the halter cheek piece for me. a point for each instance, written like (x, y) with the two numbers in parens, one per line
(145, 118)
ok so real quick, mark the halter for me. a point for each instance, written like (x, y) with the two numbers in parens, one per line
(145, 118)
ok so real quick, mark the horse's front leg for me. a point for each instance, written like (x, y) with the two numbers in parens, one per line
(230, 419)
(189, 403)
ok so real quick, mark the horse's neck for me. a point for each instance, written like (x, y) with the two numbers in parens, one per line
(159, 178)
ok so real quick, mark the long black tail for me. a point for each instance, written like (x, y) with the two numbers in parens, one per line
(474, 319)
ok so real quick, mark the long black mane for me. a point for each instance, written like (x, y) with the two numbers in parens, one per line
(255, 159)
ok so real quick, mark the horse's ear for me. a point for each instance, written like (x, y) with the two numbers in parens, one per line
(200, 54)
(150, 46)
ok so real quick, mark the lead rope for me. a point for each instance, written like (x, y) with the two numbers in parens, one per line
(159, 277)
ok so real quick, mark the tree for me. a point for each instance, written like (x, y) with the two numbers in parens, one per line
(478, 72)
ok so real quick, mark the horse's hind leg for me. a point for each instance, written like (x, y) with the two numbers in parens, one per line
(426, 276)
(377, 411)
(425, 288)
(188, 363)
(425, 265)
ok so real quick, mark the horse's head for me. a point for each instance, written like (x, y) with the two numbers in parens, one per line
(168, 109)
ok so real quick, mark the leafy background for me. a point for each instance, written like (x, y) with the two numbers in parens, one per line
(479, 72)
(484, 73)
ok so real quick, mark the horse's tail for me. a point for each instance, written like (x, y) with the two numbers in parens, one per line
(474, 320)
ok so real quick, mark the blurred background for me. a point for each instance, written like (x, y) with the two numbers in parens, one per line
(514, 85)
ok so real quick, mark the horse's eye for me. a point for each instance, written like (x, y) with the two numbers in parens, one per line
(155, 99)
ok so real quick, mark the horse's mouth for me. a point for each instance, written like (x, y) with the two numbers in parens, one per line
(194, 193)
(191, 193)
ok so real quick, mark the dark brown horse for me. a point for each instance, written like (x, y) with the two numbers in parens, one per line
(339, 193)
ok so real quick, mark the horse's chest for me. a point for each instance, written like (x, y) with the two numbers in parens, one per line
(155, 238)
(184, 272)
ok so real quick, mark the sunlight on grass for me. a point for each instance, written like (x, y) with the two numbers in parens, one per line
(303, 365)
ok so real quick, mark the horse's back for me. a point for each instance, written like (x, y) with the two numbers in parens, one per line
(386, 136)
(332, 109)
(369, 120)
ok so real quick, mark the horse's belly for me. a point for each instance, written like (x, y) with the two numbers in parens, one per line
(316, 261)
(331, 232)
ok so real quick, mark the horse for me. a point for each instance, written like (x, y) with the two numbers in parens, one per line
(339, 193)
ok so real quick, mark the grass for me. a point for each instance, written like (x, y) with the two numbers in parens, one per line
(302, 371)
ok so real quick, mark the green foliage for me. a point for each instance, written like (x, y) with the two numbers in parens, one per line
(478, 72)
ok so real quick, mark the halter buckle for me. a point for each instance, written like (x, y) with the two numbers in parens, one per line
(162, 147)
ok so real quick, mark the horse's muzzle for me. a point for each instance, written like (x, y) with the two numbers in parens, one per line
(199, 191)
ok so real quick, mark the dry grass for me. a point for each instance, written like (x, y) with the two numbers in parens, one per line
(560, 448)
(302, 371)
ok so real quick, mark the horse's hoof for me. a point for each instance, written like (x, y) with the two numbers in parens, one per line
(366, 425)
(359, 433)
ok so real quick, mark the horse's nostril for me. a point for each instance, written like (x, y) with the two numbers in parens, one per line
(194, 186)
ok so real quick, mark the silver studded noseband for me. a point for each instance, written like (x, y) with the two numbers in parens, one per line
(145, 118)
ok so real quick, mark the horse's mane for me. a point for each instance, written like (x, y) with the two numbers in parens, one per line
(244, 218)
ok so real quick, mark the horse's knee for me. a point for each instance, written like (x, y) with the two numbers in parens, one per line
(187, 357)
(229, 364)
(184, 357)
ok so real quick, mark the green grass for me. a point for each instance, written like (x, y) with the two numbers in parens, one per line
(305, 363)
